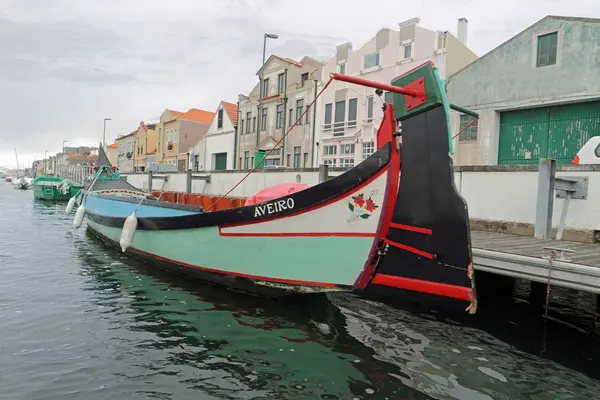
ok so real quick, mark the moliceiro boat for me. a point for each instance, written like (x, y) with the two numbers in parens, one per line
(366, 231)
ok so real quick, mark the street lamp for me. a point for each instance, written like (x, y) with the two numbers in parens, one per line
(260, 89)
(104, 132)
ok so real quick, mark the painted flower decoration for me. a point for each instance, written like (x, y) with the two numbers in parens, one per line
(361, 207)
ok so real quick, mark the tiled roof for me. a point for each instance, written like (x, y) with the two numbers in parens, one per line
(175, 114)
(232, 111)
(197, 115)
(126, 136)
(113, 146)
(293, 62)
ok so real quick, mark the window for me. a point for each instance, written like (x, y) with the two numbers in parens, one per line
(272, 161)
(330, 162)
(220, 119)
(342, 68)
(248, 119)
(299, 109)
(291, 117)
(347, 162)
(253, 124)
(305, 161)
(242, 126)
(280, 83)
(280, 116)
(303, 79)
(240, 164)
(370, 109)
(368, 148)
(330, 150)
(327, 125)
(265, 88)
(471, 132)
(246, 159)
(297, 152)
(407, 50)
(347, 148)
(352, 104)
(340, 115)
(289, 159)
(263, 120)
(546, 49)
(307, 115)
(371, 60)
(252, 162)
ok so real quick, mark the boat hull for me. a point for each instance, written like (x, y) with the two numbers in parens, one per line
(316, 240)
(52, 193)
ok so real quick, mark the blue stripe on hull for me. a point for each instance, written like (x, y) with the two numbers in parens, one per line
(115, 208)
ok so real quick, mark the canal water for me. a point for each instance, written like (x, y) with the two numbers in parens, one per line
(81, 321)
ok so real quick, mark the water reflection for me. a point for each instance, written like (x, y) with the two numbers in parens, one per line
(229, 345)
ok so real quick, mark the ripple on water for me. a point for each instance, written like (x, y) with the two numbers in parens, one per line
(83, 321)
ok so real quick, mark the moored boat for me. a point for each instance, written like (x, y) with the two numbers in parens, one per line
(365, 231)
(47, 187)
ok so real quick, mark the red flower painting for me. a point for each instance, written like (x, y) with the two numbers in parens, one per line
(361, 207)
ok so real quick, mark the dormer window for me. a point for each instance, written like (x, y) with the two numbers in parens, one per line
(371, 60)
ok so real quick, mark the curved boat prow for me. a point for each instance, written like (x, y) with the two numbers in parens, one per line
(424, 251)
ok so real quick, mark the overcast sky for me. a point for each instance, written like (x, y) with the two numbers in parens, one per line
(65, 65)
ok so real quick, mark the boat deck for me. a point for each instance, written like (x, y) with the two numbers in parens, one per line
(526, 257)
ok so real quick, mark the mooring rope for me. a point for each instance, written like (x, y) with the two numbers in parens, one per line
(276, 144)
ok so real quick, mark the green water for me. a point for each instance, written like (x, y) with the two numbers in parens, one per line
(80, 321)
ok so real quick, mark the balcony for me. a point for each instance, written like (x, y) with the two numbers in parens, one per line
(339, 128)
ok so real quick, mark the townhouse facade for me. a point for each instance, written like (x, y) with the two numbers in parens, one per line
(349, 115)
(217, 149)
(178, 132)
(126, 152)
(145, 146)
(286, 88)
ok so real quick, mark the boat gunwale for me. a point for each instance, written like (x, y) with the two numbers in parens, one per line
(357, 177)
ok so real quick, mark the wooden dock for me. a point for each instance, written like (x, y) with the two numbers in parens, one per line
(525, 257)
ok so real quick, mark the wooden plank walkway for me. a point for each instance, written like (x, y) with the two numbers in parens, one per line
(523, 257)
(586, 253)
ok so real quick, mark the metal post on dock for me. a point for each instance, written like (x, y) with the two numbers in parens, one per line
(323, 173)
(188, 181)
(545, 198)
(150, 181)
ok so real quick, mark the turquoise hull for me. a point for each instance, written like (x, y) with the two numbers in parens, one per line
(311, 261)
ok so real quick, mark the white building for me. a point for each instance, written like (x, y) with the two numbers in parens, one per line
(349, 115)
(125, 152)
(216, 150)
(288, 87)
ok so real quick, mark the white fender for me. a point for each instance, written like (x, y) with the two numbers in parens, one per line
(79, 216)
(70, 205)
(128, 233)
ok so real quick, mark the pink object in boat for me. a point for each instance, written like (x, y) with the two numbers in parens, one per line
(275, 192)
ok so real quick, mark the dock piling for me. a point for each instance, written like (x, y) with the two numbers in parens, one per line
(323, 173)
(545, 198)
(150, 181)
(188, 181)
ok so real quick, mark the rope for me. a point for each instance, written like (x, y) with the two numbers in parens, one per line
(551, 260)
(465, 128)
(276, 144)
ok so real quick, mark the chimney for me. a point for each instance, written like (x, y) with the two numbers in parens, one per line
(462, 30)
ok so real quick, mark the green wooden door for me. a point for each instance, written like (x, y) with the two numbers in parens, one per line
(557, 132)
(220, 161)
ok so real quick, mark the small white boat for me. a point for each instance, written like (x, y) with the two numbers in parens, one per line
(21, 183)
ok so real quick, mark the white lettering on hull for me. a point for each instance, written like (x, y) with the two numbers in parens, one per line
(273, 207)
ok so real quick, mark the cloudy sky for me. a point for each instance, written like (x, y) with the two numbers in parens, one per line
(65, 65)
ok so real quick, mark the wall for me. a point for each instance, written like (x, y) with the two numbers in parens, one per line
(190, 132)
(507, 79)
(502, 194)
